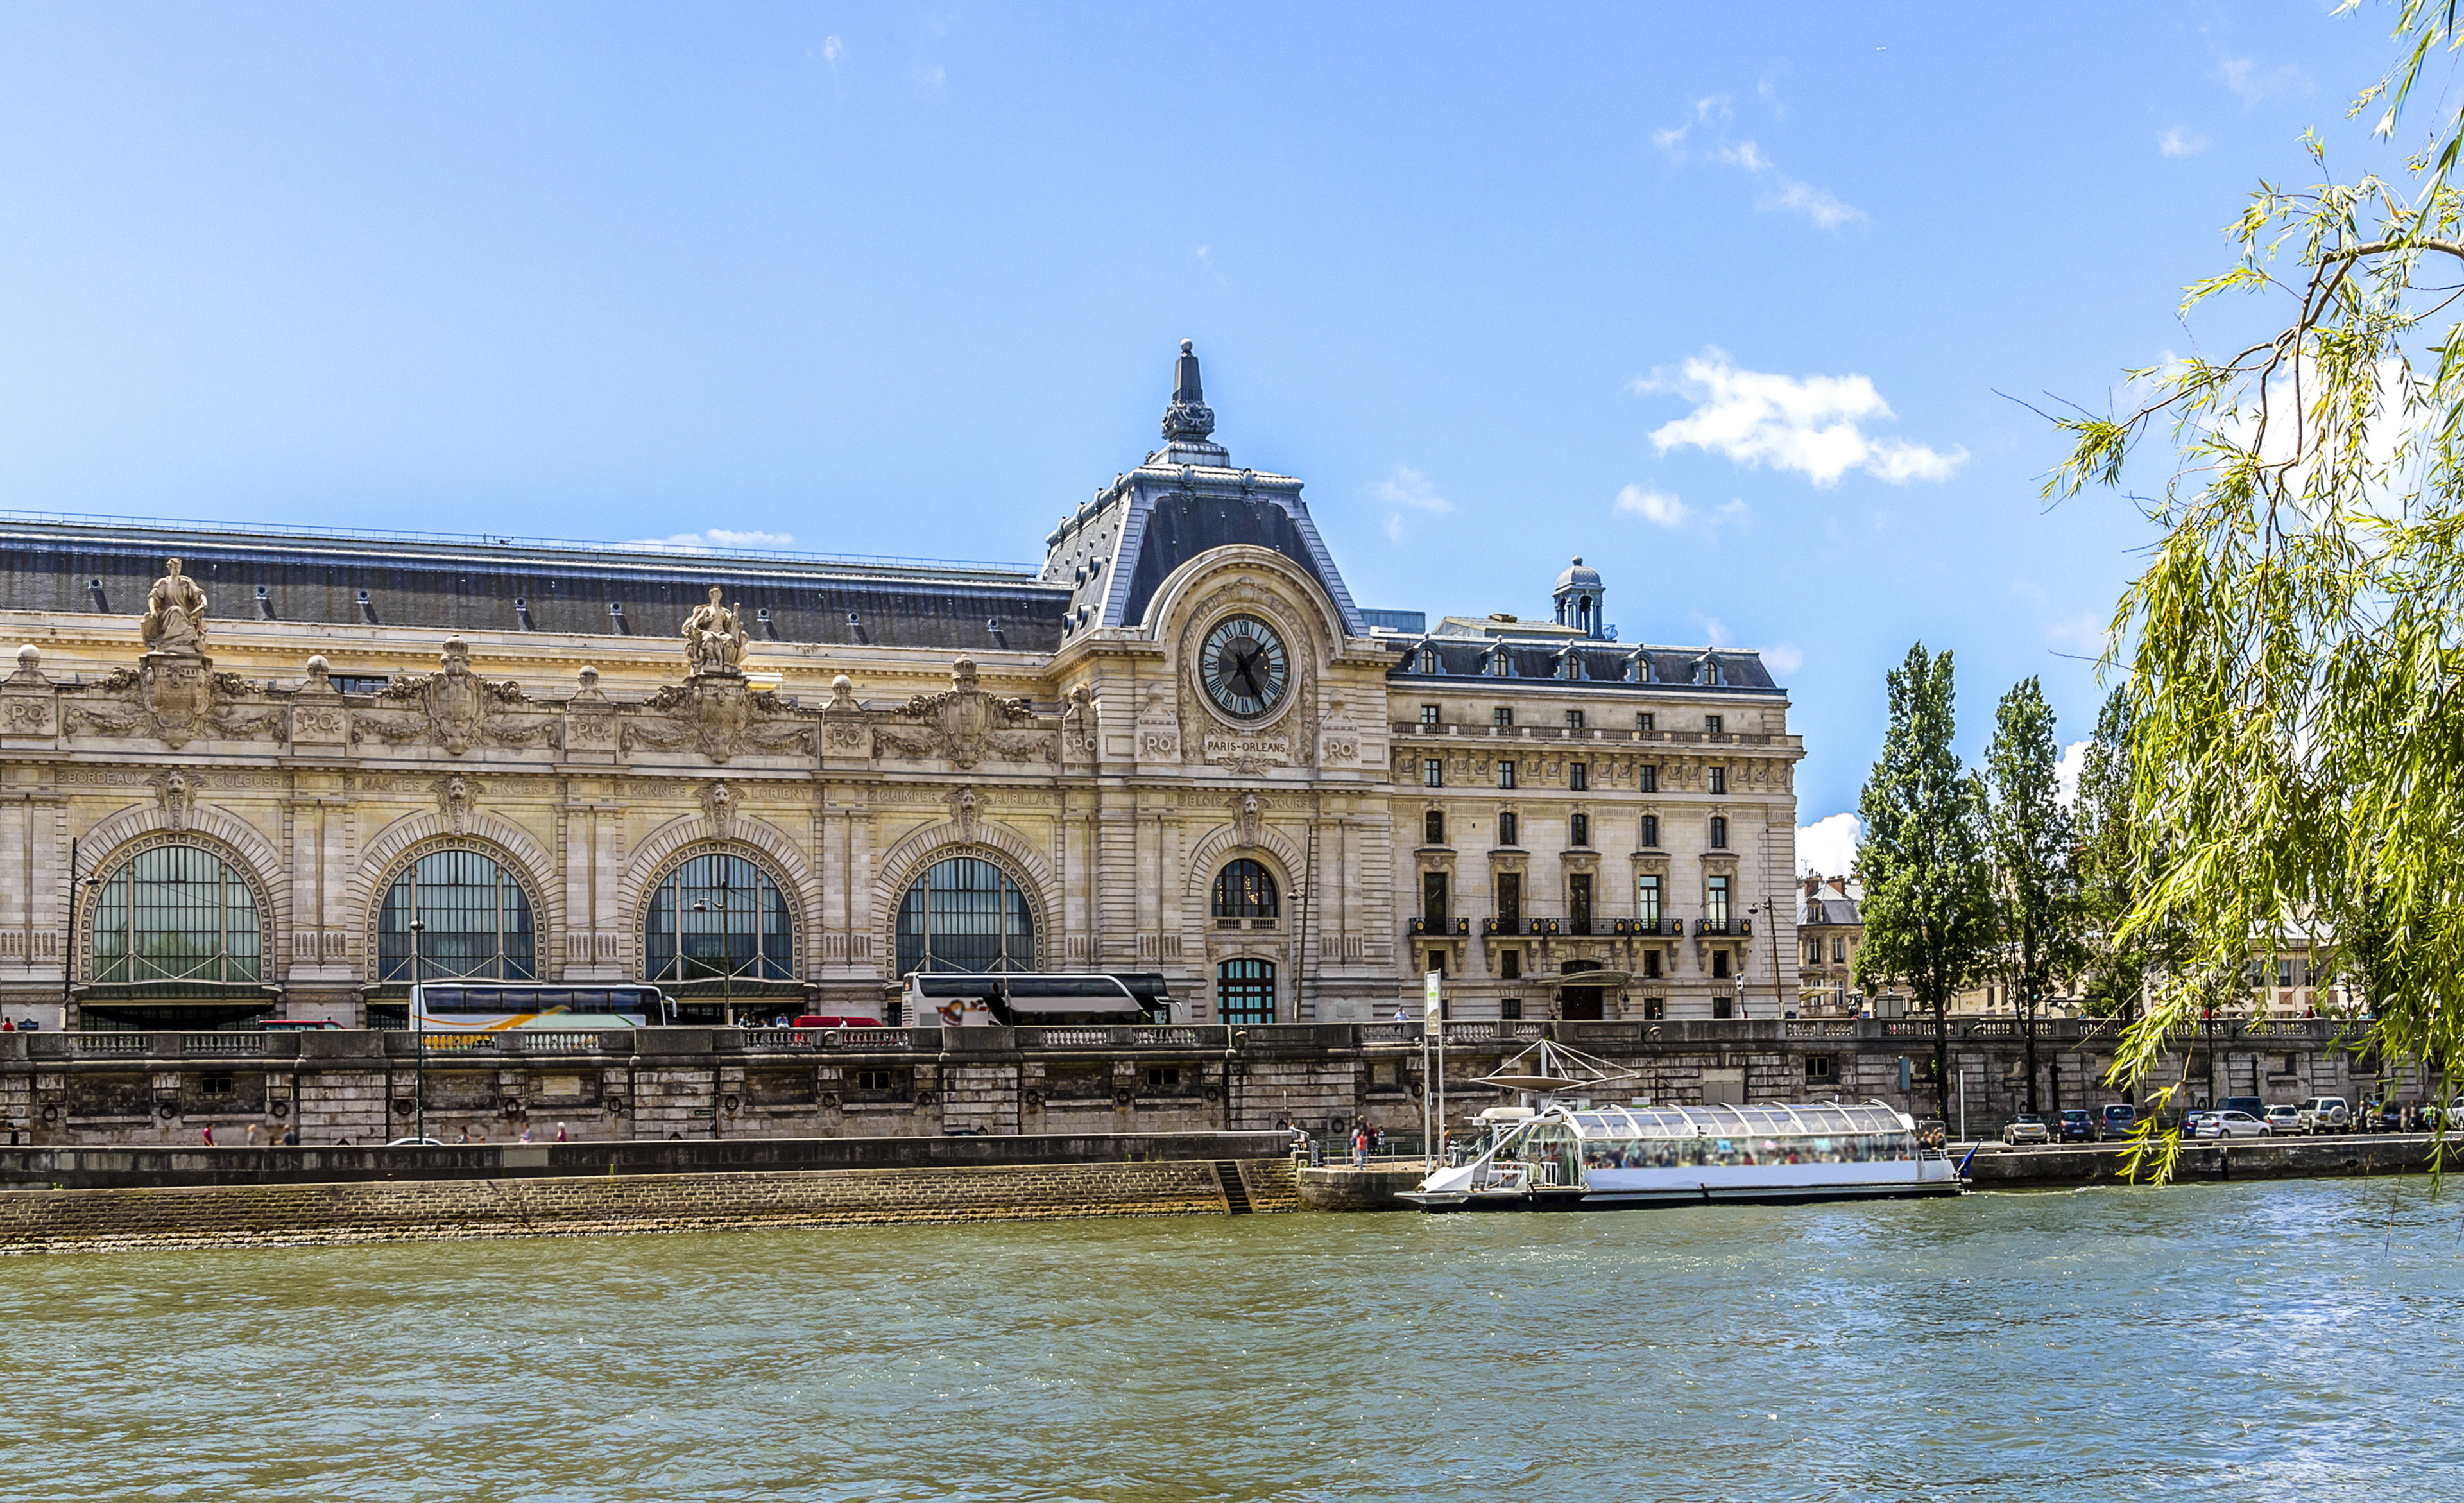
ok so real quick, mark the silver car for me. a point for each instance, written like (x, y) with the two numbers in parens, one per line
(2027, 1128)
(2232, 1124)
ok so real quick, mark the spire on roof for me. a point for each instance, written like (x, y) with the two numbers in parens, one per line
(1189, 417)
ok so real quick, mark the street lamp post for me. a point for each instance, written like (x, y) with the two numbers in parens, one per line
(419, 1030)
(726, 957)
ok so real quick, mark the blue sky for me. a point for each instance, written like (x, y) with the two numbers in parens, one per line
(1720, 298)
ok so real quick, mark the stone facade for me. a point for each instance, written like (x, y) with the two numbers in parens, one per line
(1183, 684)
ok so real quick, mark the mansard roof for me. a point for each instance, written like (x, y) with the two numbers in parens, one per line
(465, 584)
(1113, 553)
(1466, 656)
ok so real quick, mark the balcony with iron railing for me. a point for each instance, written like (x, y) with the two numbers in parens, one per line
(1437, 928)
(1413, 730)
(1520, 925)
(1711, 927)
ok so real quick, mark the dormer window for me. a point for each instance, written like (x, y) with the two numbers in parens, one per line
(1499, 665)
(1428, 660)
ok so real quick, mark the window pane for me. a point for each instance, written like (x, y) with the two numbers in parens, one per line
(717, 914)
(1244, 990)
(176, 913)
(965, 915)
(477, 919)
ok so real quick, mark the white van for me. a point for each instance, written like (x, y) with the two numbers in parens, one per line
(2326, 1115)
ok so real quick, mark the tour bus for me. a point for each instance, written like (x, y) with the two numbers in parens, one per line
(955, 999)
(486, 1006)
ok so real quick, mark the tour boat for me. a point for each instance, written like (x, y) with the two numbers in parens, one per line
(1559, 1157)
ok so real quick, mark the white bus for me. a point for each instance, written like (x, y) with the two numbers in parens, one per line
(485, 1007)
(958, 999)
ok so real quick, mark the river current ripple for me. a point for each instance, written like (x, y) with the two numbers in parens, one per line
(2290, 1340)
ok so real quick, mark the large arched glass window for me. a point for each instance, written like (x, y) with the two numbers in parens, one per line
(717, 916)
(1245, 890)
(477, 915)
(965, 915)
(1244, 990)
(176, 913)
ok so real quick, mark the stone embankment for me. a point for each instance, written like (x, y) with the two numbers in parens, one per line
(450, 1194)
(1377, 1186)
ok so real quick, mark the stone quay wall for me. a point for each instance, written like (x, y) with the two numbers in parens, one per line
(733, 1085)
(402, 1210)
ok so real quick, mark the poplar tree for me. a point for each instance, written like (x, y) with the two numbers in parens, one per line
(1927, 907)
(2294, 646)
(2036, 902)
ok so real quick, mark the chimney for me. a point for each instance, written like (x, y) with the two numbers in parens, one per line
(1814, 884)
(1839, 885)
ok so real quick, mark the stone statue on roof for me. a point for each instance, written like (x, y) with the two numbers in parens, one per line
(175, 614)
(715, 638)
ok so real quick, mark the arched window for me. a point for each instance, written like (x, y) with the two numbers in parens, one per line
(1429, 663)
(477, 917)
(176, 913)
(1245, 890)
(714, 916)
(1244, 990)
(965, 915)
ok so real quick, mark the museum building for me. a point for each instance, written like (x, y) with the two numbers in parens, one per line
(236, 764)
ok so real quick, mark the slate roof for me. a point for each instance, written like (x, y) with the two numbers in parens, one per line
(1115, 552)
(1472, 658)
(1828, 909)
(335, 578)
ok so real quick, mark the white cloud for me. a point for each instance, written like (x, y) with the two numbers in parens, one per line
(2066, 772)
(1657, 507)
(1813, 424)
(1407, 490)
(714, 541)
(1823, 207)
(833, 50)
(2084, 631)
(1828, 846)
(2256, 84)
(1782, 659)
(2181, 141)
(1715, 632)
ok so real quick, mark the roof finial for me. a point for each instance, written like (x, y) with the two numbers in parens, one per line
(1188, 416)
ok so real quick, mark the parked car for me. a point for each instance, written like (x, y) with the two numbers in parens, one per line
(2284, 1119)
(2026, 1127)
(2076, 1126)
(2118, 1119)
(2192, 1121)
(822, 1020)
(2230, 1124)
(297, 1025)
(2326, 1115)
(2251, 1105)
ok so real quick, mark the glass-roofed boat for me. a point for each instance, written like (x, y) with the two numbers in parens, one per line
(1559, 1157)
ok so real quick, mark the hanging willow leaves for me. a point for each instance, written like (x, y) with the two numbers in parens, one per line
(2295, 647)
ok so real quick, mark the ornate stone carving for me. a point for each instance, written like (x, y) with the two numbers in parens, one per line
(844, 732)
(26, 698)
(317, 712)
(1081, 727)
(718, 807)
(455, 795)
(175, 614)
(590, 721)
(179, 799)
(719, 714)
(174, 697)
(715, 638)
(1339, 738)
(454, 707)
(1248, 820)
(966, 811)
(1159, 728)
(962, 726)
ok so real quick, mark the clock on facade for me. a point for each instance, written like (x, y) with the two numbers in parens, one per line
(1245, 667)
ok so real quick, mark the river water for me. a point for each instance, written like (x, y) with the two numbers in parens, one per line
(2294, 1340)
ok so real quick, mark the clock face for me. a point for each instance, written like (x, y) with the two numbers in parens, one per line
(1245, 667)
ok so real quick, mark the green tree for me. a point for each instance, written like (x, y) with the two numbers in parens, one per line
(2037, 904)
(1928, 908)
(2295, 646)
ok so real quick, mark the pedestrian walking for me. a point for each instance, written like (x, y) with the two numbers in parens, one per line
(560, 1131)
(251, 1135)
(290, 1138)
(209, 1137)
(1360, 1146)
(526, 1134)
